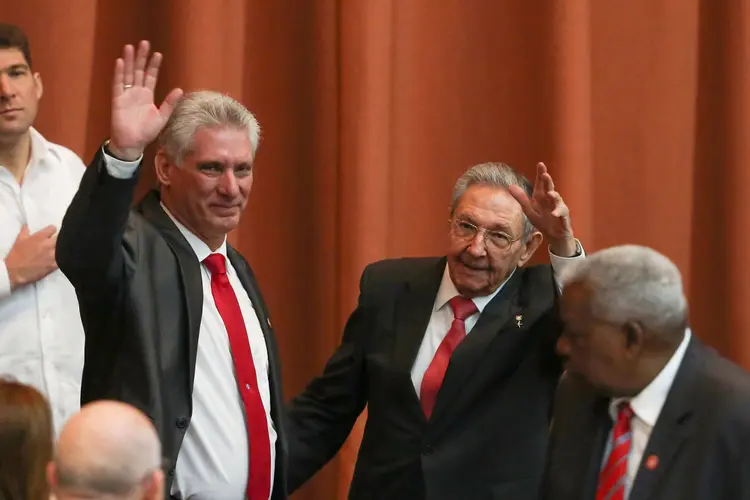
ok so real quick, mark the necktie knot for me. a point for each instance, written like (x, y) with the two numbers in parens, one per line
(216, 263)
(624, 412)
(462, 307)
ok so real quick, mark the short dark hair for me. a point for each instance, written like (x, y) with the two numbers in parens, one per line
(13, 37)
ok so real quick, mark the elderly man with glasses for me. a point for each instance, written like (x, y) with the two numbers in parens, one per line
(454, 357)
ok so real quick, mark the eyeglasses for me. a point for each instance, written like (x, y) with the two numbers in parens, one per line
(493, 240)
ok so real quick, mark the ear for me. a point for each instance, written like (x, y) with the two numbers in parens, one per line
(38, 85)
(634, 338)
(155, 487)
(163, 167)
(531, 245)
(52, 476)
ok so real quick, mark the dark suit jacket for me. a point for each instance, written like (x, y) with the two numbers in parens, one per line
(489, 429)
(701, 439)
(139, 287)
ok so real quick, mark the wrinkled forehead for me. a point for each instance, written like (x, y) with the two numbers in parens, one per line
(490, 206)
(575, 302)
(225, 145)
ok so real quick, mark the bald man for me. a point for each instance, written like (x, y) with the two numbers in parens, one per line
(108, 450)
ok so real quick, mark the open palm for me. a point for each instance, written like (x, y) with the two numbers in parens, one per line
(136, 120)
(545, 209)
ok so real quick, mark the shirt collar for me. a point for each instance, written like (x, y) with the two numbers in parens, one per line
(448, 290)
(199, 246)
(648, 403)
(39, 147)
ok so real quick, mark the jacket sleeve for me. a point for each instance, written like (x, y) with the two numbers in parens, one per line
(322, 416)
(90, 243)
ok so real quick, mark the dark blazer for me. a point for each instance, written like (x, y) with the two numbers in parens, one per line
(489, 429)
(139, 287)
(701, 439)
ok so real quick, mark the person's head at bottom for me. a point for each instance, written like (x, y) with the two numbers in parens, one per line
(26, 437)
(109, 450)
(625, 314)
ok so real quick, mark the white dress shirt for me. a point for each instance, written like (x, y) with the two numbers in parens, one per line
(213, 461)
(442, 315)
(41, 336)
(646, 408)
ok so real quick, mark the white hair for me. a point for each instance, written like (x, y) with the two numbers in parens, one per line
(202, 109)
(498, 175)
(632, 283)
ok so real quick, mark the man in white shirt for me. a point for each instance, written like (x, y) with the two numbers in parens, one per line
(41, 337)
(645, 410)
(174, 319)
(107, 451)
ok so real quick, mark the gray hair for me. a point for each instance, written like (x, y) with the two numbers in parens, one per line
(491, 174)
(633, 283)
(202, 109)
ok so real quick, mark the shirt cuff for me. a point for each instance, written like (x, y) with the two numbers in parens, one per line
(120, 169)
(4, 280)
(560, 263)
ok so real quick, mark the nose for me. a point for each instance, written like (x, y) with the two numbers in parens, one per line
(6, 89)
(477, 247)
(228, 185)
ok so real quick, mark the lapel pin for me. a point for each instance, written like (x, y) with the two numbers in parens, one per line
(519, 320)
(268, 320)
(652, 462)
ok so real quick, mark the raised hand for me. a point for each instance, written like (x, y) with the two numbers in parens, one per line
(547, 211)
(32, 256)
(136, 120)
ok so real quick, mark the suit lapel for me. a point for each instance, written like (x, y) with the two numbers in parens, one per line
(674, 425)
(413, 311)
(190, 271)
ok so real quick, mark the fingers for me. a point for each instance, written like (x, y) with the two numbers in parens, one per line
(538, 182)
(561, 209)
(128, 65)
(522, 198)
(169, 103)
(24, 233)
(140, 62)
(152, 72)
(47, 232)
(117, 80)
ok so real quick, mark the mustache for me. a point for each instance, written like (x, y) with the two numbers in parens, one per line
(479, 265)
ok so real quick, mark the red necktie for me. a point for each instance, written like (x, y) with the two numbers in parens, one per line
(259, 480)
(433, 377)
(613, 477)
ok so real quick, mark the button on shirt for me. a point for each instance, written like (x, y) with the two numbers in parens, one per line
(41, 336)
(213, 461)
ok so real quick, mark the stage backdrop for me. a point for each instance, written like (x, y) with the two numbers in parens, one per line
(371, 109)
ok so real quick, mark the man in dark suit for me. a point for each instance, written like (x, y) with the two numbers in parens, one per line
(470, 424)
(645, 411)
(174, 320)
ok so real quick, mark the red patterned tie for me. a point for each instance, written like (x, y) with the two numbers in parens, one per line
(614, 476)
(259, 480)
(433, 377)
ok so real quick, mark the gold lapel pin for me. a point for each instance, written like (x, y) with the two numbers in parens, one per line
(268, 320)
(519, 320)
